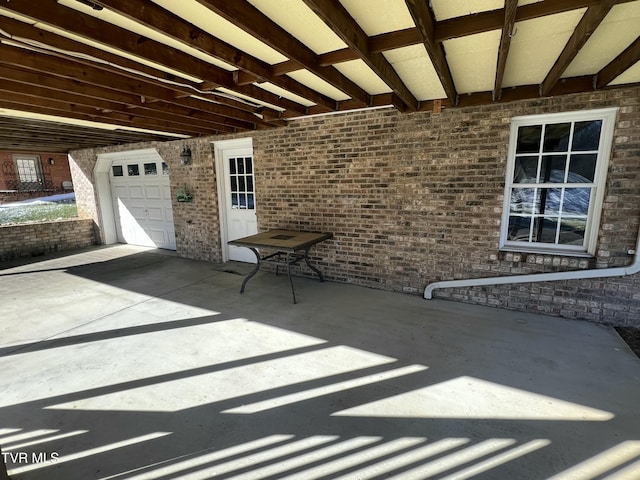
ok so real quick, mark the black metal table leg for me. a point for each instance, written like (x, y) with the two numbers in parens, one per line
(306, 259)
(255, 270)
(289, 262)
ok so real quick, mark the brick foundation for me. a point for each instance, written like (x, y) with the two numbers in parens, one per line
(35, 239)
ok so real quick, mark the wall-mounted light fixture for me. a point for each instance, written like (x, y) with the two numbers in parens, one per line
(51, 161)
(185, 156)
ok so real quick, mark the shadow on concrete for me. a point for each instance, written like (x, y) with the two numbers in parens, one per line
(158, 368)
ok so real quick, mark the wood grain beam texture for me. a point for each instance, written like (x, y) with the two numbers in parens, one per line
(424, 20)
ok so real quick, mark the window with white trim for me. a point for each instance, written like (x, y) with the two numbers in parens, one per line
(555, 181)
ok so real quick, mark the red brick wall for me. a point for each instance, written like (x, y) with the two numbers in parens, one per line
(54, 175)
(417, 198)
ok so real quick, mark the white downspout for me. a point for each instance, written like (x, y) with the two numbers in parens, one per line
(631, 269)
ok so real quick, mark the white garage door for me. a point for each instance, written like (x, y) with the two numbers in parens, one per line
(142, 202)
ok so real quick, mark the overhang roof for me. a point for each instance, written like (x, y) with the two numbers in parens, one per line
(166, 69)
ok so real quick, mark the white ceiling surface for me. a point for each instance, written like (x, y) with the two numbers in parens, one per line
(472, 59)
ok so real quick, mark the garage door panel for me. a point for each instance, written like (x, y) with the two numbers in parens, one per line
(136, 192)
(121, 191)
(158, 236)
(155, 214)
(153, 192)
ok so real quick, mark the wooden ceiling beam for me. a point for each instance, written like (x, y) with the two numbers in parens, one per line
(511, 6)
(253, 21)
(338, 19)
(100, 83)
(56, 15)
(591, 19)
(424, 20)
(42, 95)
(629, 57)
(163, 21)
(61, 111)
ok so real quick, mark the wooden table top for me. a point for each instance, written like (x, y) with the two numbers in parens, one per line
(283, 240)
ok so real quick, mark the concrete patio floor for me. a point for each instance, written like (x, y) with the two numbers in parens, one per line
(127, 363)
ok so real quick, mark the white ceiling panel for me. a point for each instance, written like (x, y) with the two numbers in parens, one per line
(297, 19)
(536, 46)
(314, 82)
(380, 16)
(473, 60)
(444, 9)
(359, 72)
(416, 70)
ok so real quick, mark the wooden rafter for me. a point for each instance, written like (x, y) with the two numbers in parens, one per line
(338, 19)
(591, 19)
(424, 20)
(629, 57)
(145, 91)
(510, 10)
(250, 68)
(251, 20)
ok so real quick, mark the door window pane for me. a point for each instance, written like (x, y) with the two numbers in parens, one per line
(133, 170)
(117, 170)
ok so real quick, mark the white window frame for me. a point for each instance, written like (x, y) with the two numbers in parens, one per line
(29, 172)
(588, 248)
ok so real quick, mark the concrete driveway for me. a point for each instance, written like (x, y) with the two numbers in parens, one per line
(127, 363)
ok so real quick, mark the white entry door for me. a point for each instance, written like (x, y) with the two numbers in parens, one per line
(142, 202)
(239, 200)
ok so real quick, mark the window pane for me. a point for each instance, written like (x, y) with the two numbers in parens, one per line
(150, 169)
(549, 201)
(529, 139)
(241, 185)
(572, 231)
(165, 169)
(576, 201)
(552, 169)
(232, 166)
(250, 201)
(544, 229)
(117, 170)
(234, 184)
(556, 137)
(582, 168)
(519, 228)
(526, 170)
(240, 165)
(586, 135)
(234, 200)
(522, 200)
(250, 183)
(133, 170)
(249, 164)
